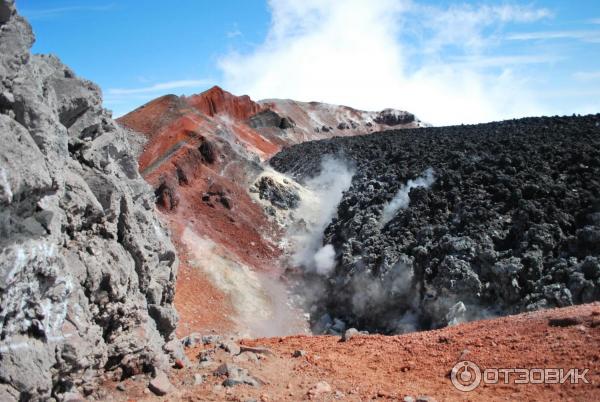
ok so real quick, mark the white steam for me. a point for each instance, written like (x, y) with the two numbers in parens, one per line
(325, 260)
(261, 303)
(316, 210)
(401, 199)
(440, 62)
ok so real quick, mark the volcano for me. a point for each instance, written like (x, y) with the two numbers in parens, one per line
(215, 248)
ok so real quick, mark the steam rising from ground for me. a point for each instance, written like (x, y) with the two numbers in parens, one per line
(325, 260)
(262, 303)
(316, 211)
(401, 199)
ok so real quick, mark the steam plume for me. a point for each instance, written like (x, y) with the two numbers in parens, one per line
(401, 199)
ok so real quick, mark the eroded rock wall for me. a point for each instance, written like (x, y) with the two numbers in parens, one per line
(87, 270)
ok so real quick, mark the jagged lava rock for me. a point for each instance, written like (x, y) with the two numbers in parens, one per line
(509, 223)
(87, 271)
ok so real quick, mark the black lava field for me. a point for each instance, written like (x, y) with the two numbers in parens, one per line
(510, 223)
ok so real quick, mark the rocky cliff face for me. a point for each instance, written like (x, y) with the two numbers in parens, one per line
(458, 223)
(87, 271)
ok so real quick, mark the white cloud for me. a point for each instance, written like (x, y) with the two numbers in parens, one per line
(157, 88)
(464, 24)
(124, 100)
(587, 75)
(503, 61)
(234, 34)
(586, 36)
(47, 13)
(355, 53)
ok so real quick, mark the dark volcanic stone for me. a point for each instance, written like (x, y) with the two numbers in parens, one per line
(511, 222)
(268, 118)
(391, 117)
(283, 197)
(207, 150)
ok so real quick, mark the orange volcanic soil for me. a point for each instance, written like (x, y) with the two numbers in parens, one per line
(200, 180)
(389, 368)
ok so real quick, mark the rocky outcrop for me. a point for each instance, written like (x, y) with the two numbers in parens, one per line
(268, 118)
(86, 269)
(448, 224)
(277, 194)
(294, 122)
(391, 117)
(216, 101)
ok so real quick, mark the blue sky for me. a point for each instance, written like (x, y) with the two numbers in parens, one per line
(447, 61)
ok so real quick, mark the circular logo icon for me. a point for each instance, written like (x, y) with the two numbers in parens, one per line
(465, 376)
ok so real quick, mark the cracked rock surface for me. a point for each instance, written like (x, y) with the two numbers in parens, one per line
(510, 221)
(87, 270)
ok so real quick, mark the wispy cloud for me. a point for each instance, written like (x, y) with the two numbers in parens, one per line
(586, 36)
(433, 61)
(47, 13)
(587, 75)
(595, 21)
(160, 87)
(503, 61)
(234, 32)
(464, 24)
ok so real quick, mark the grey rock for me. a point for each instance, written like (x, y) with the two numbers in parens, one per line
(349, 334)
(175, 350)
(391, 117)
(211, 339)
(323, 324)
(191, 340)
(73, 396)
(236, 376)
(269, 118)
(160, 384)
(246, 357)
(299, 353)
(207, 364)
(338, 326)
(279, 195)
(87, 271)
(261, 350)
(231, 347)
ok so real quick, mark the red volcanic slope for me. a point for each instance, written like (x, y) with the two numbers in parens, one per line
(215, 101)
(193, 160)
(200, 157)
